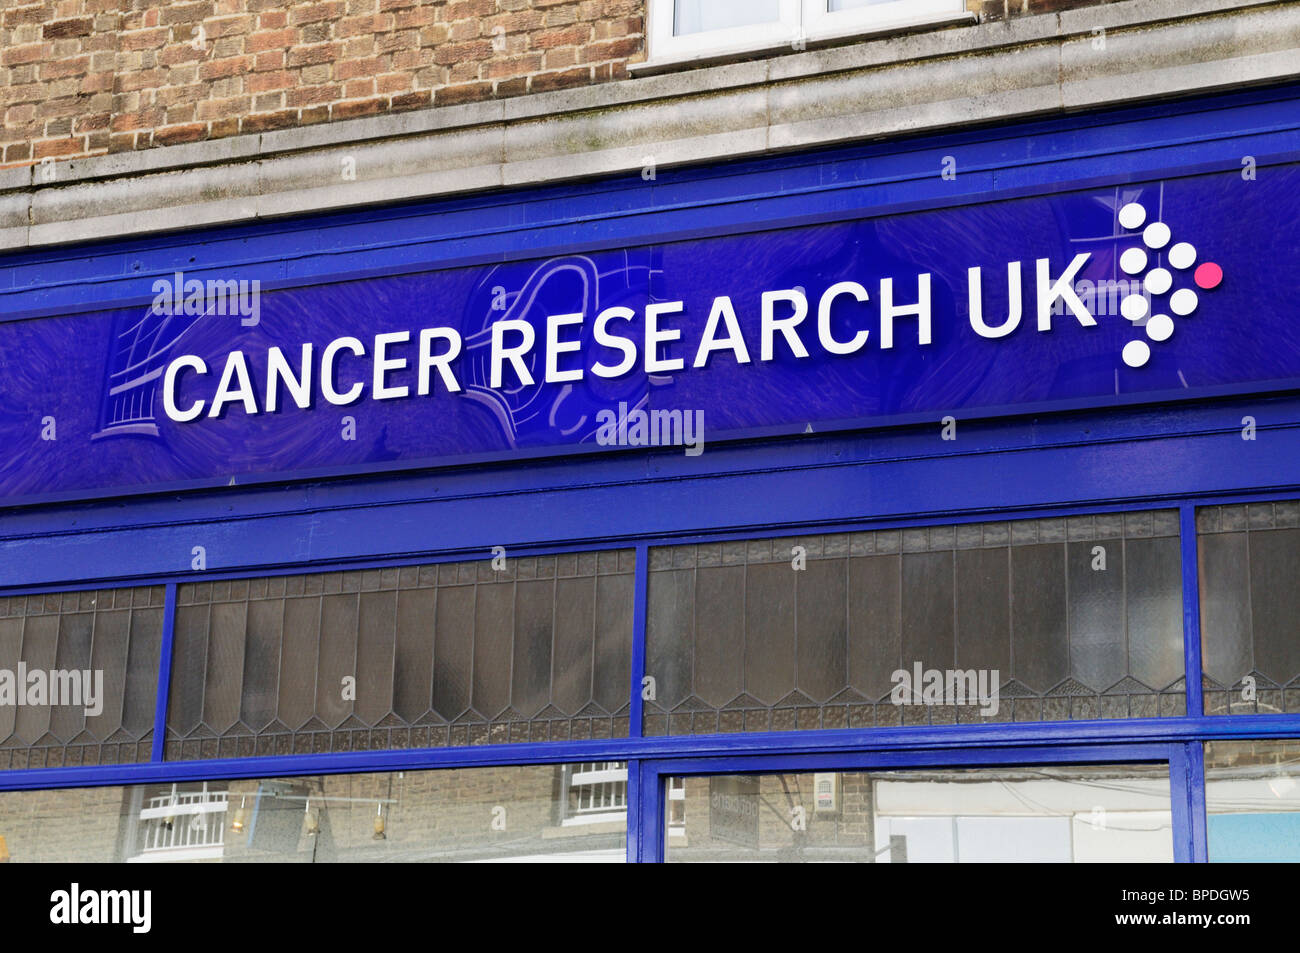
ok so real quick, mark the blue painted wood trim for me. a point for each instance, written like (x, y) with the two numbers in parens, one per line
(963, 744)
(164, 673)
(1191, 609)
(1158, 140)
(832, 482)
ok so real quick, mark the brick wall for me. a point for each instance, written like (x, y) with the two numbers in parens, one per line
(88, 77)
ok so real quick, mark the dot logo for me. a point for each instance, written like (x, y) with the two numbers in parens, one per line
(1158, 281)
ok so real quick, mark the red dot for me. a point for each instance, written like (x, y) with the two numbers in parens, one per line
(1208, 275)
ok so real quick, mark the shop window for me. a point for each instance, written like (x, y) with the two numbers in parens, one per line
(79, 677)
(1252, 801)
(1034, 620)
(1111, 813)
(464, 814)
(537, 649)
(687, 29)
(1250, 601)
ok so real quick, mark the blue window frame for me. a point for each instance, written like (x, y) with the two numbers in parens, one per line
(1080, 462)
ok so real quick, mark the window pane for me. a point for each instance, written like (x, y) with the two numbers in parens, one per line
(1250, 601)
(416, 656)
(79, 677)
(1032, 620)
(537, 812)
(836, 5)
(1252, 800)
(696, 16)
(1042, 814)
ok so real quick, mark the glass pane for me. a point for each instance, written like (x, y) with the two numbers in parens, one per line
(79, 677)
(1250, 600)
(834, 6)
(413, 656)
(967, 815)
(1033, 620)
(696, 16)
(534, 813)
(1252, 800)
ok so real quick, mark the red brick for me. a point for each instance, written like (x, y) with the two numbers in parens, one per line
(464, 93)
(355, 108)
(462, 52)
(262, 122)
(57, 147)
(221, 128)
(61, 29)
(143, 39)
(59, 69)
(271, 40)
(315, 12)
(569, 36)
(413, 100)
(312, 95)
(265, 82)
(172, 135)
(351, 69)
(26, 53)
(512, 87)
(311, 55)
(561, 80)
(619, 49)
(17, 16)
(220, 69)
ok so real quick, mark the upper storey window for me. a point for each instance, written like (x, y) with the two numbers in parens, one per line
(697, 29)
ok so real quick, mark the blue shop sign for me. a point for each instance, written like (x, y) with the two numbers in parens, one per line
(1151, 291)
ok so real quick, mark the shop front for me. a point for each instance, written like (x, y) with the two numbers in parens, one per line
(929, 499)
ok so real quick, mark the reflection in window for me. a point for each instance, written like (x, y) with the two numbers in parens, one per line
(1068, 618)
(1250, 642)
(1252, 801)
(412, 656)
(595, 793)
(470, 814)
(101, 643)
(1053, 814)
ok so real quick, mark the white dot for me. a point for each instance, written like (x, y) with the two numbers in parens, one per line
(1158, 281)
(1160, 327)
(1132, 215)
(1182, 255)
(1182, 301)
(1136, 353)
(1133, 260)
(1156, 235)
(1134, 307)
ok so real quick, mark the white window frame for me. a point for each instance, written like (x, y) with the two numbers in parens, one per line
(664, 45)
(819, 23)
(800, 20)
